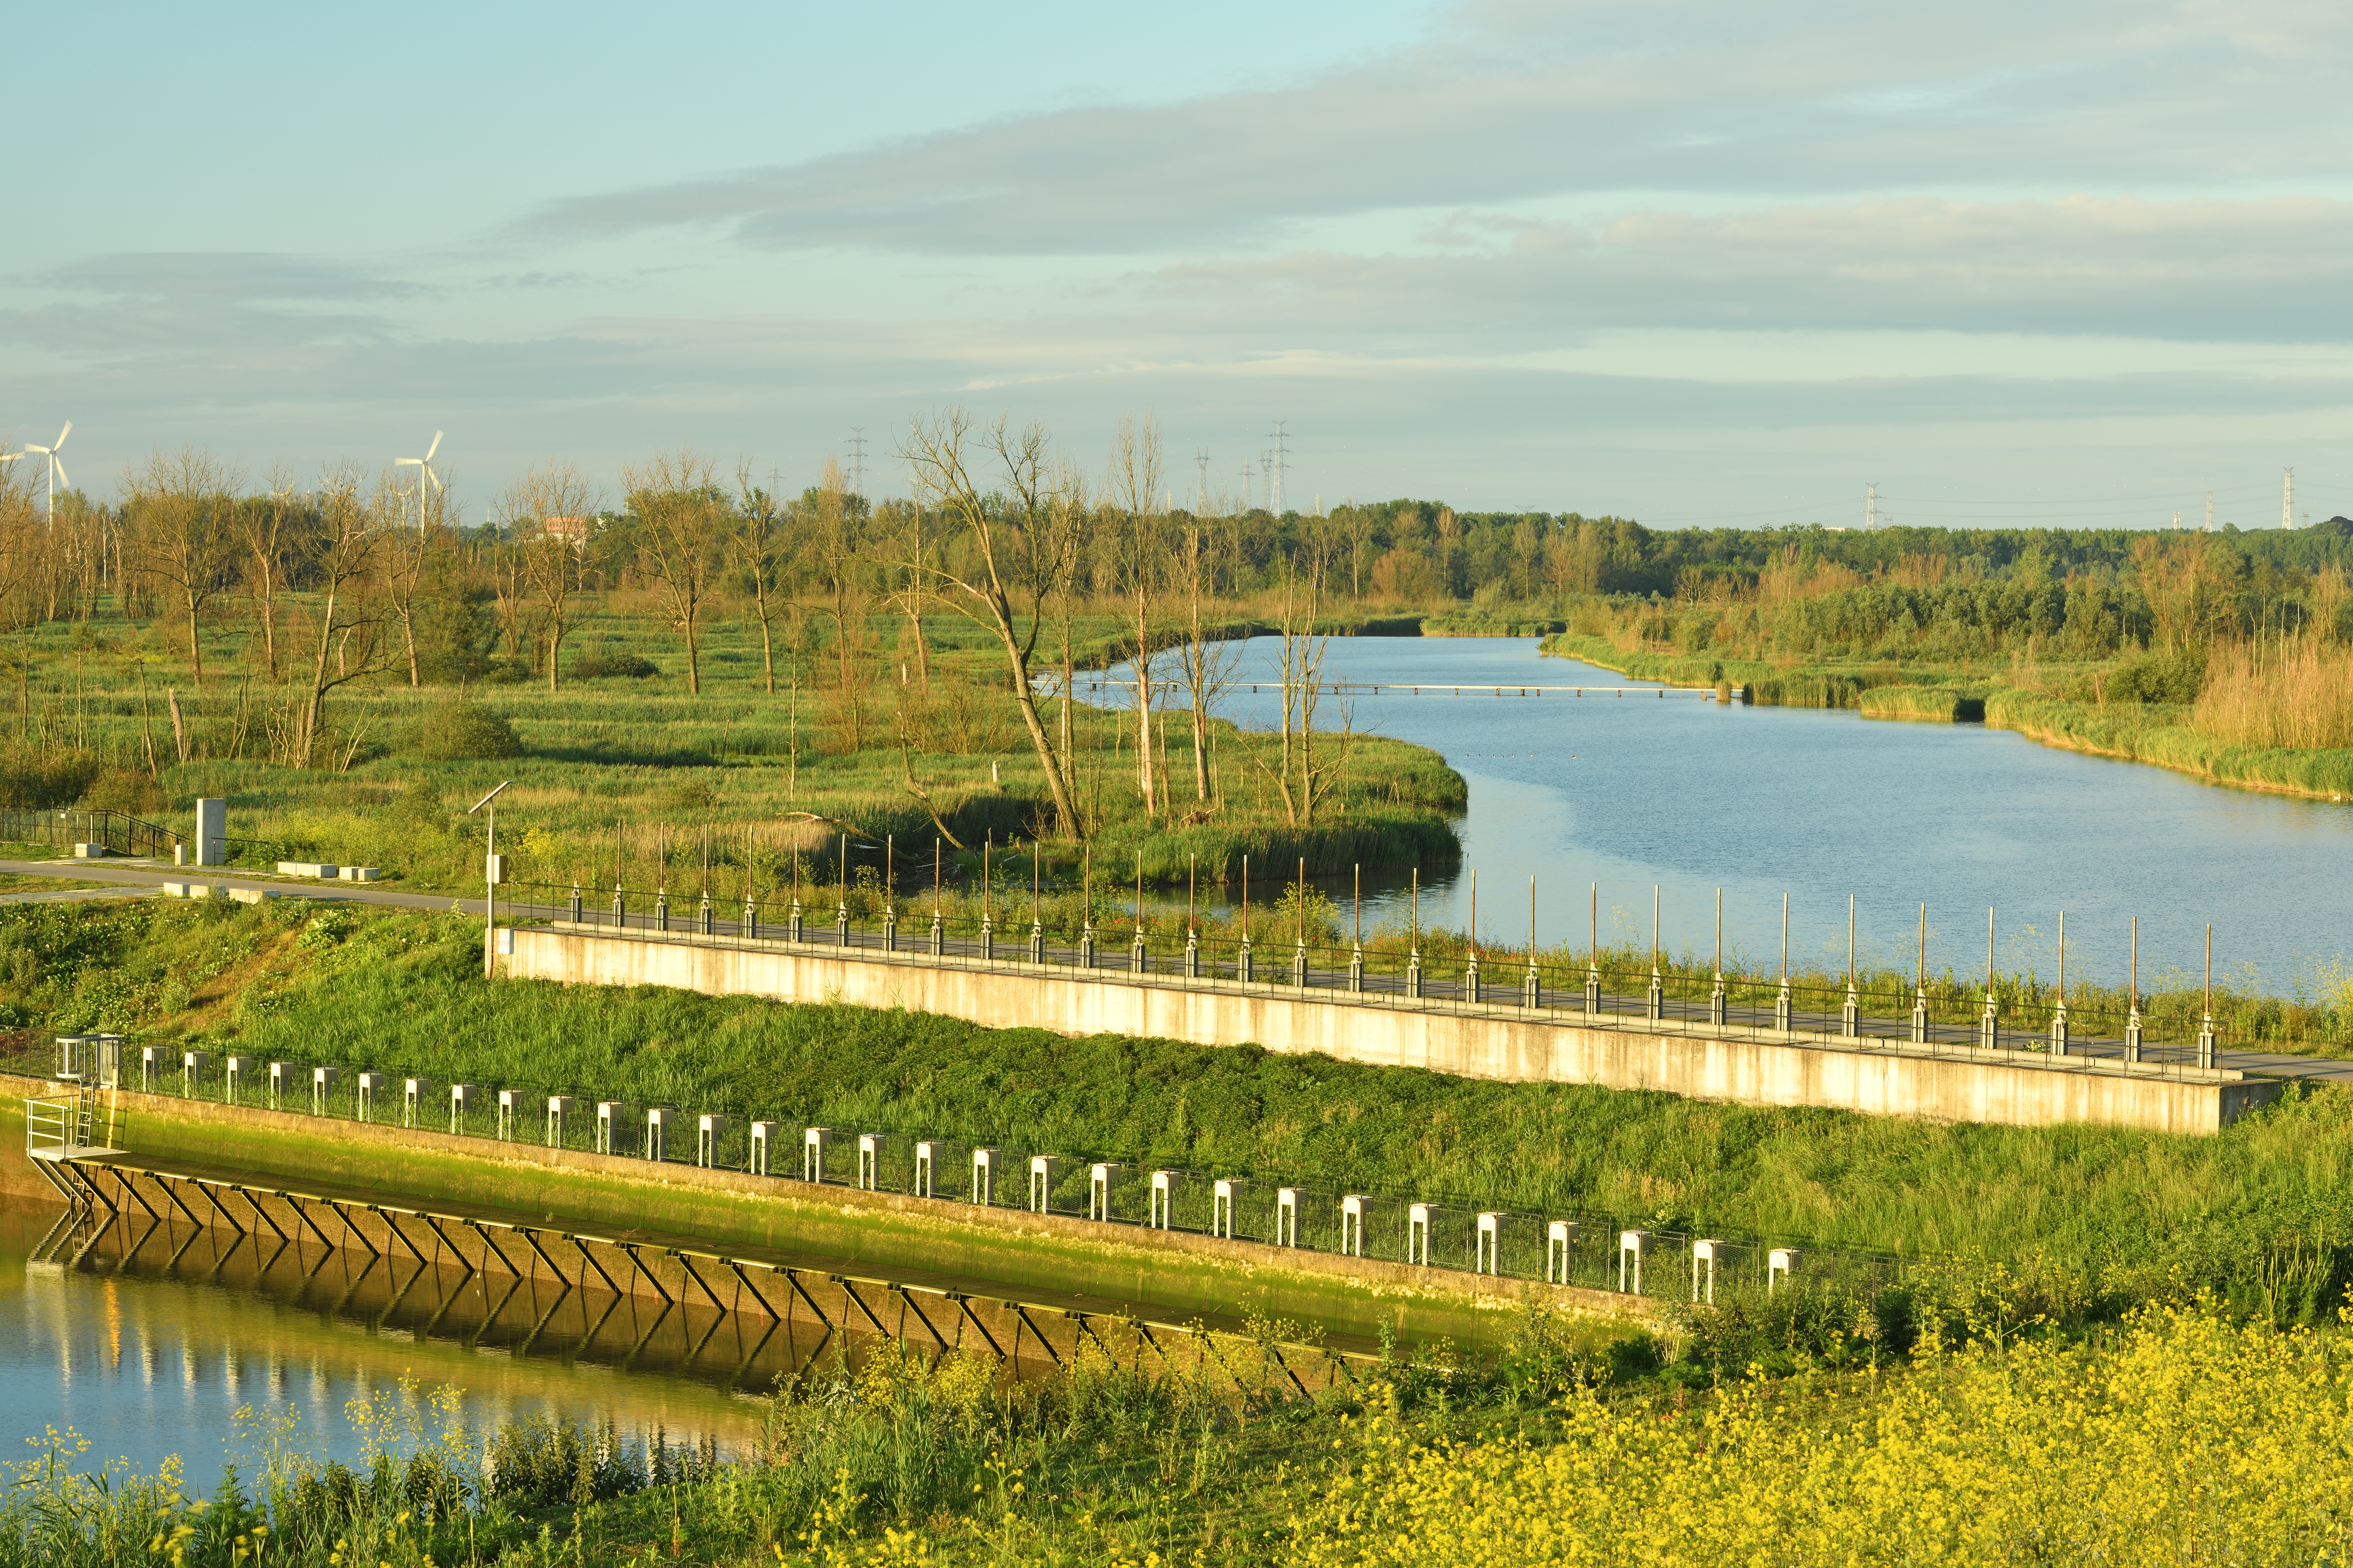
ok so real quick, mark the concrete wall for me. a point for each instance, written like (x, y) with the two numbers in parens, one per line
(1745, 1067)
(1174, 1275)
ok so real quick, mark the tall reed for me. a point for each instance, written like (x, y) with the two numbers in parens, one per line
(2296, 693)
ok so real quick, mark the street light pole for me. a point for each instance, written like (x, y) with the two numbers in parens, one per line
(492, 875)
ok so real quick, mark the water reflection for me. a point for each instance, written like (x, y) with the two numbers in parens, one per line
(148, 1338)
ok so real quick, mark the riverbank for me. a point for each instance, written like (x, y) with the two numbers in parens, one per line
(2155, 733)
(403, 993)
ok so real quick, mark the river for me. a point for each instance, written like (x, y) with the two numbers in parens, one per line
(160, 1339)
(1693, 796)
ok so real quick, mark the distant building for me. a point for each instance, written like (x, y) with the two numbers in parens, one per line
(573, 530)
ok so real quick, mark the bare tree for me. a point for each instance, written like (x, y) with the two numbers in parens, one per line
(406, 556)
(340, 562)
(1303, 783)
(1019, 550)
(1134, 487)
(265, 528)
(1206, 667)
(758, 546)
(841, 551)
(682, 523)
(548, 511)
(181, 506)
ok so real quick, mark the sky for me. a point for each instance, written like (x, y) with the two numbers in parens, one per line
(1691, 263)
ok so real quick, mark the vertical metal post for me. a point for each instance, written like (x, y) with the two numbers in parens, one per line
(1593, 957)
(2059, 1014)
(1716, 1008)
(2132, 1018)
(1920, 985)
(1357, 932)
(1657, 999)
(1532, 987)
(1192, 933)
(1413, 938)
(2206, 1029)
(1781, 1003)
(1989, 1025)
(1850, 1017)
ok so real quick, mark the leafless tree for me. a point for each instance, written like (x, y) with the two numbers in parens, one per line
(1019, 555)
(340, 564)
(683, 524)
(758, 546)
(1303, 782)
(265, 529)
(407, 556)
(181, 507)
(1206, 668)
(547, 511)
(1135, 490)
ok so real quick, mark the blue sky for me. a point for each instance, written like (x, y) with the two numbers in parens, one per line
(1682, 262)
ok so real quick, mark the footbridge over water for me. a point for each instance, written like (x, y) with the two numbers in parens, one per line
(1516, 1032)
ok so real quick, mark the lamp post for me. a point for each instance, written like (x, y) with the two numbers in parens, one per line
(492, 875)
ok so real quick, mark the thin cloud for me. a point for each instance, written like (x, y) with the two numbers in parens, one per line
(1587, 102)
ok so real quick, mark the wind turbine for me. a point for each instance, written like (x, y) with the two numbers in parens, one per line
(424, 466)
(56, 469)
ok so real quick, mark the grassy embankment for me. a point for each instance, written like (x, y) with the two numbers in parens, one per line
(2278, 720)
(636, 754)
(2183, 1437)
(2096, 1216)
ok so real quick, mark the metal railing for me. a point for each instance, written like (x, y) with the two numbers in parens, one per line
(2033, 1027)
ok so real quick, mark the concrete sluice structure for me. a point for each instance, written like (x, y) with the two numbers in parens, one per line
(744, 1321)
(1936, 1074)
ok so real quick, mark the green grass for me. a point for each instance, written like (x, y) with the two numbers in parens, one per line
(401, 992)
(766, 774)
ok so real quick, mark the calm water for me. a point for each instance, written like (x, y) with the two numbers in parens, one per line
(148, 1354)
(1631, 792)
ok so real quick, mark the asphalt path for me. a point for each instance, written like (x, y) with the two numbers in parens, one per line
(140, 878)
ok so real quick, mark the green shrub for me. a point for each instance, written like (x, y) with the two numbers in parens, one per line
(460, 730)
(2156, 677)
(597, 663)
(32, 775)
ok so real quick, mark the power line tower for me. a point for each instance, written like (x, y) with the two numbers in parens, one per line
(1282, 454)
(1201, 487)
(1250, 484)
(858, 459)
(1869, 506)
(2210, 511)
(2287, 498)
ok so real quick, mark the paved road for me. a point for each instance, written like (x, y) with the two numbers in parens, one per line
(146, 875)
(74, 895)
(138, 877)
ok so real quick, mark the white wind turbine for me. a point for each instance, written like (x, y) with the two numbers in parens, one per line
(57, 468)
(425, 473)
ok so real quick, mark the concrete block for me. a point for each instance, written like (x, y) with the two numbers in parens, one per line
(1225, 1195)
(252, 895)
(1042, 1169)
(307, 869)
(660, 1121)
(1162, 1214)
(358, 873)
(90, 851)
(815, 1141)
(1102, 1178)
(212, 833)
